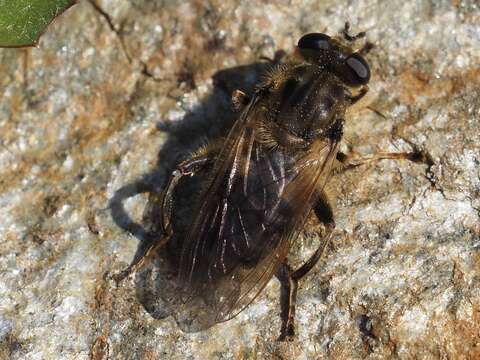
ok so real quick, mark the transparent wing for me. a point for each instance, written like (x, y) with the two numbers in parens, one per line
(251, 211)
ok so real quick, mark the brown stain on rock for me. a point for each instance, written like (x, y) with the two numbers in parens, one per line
(414, 86)
(100, 348)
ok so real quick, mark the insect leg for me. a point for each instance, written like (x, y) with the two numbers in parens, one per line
(351, 38)
(239, 100)
(366, 48)
(198, 160)
(356, 98)
(350, 161)
(186, 168)
(277, 57)
(324, 213)
(288, 297)
(289, 278)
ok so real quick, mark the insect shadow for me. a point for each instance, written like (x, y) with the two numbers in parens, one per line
(212, 118)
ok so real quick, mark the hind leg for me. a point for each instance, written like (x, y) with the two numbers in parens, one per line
(288, 298)
(186, 168)
(289, 278)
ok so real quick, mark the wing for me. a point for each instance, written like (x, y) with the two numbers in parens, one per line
(252, 209)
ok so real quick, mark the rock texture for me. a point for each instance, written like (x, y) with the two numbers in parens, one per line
(117, 91)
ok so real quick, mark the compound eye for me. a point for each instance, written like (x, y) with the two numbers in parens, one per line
(314, 41)
(360, 68)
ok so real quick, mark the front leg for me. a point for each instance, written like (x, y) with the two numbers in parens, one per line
(353, 99)
(289, 278)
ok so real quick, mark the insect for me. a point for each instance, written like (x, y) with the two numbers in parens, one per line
(262, 181)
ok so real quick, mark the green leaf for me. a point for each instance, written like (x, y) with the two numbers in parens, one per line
(22, 22)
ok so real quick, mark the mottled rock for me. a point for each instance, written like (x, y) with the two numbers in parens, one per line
(94, 118)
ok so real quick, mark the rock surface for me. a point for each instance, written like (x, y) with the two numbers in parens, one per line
(95, 117)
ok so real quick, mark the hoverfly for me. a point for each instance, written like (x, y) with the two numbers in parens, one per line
(262, 181)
